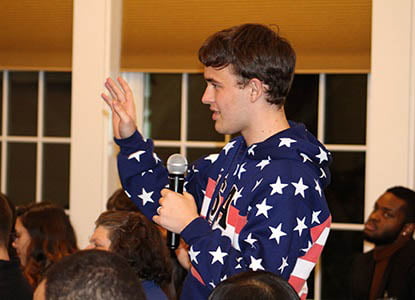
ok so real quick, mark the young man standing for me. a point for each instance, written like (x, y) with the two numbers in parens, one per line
(259, 203)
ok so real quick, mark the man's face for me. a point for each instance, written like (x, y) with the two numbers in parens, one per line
(228, 101)
(386, 220)
(100, 239)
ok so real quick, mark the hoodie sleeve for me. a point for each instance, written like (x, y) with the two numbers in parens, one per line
(142, 173)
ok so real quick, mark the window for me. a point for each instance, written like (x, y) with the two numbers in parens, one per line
(35, 136)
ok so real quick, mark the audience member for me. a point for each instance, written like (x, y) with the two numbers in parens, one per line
(133, 236)
(389, 269)
(44, 235)
(90, 274)
(254, 285)
(120, 201)
(12, 283)
(179, 258)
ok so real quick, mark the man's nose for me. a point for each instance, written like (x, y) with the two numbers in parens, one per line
(207, 96)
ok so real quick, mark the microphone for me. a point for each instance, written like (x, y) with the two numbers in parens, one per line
(177, 166)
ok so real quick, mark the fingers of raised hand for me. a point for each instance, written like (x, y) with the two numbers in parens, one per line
(114, 90)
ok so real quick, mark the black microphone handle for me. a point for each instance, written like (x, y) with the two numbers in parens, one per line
(176, 182)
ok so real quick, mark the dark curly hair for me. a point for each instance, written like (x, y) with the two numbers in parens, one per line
(253, 51)
(51, 238)
(120, 201)
(134, 237)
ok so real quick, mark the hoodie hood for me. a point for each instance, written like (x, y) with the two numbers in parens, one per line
(295, 143)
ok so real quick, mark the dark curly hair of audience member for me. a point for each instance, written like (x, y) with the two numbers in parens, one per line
(120, 201)
(134, 237)
(51, 238)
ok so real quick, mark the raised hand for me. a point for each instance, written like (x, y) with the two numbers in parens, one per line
(121, 102)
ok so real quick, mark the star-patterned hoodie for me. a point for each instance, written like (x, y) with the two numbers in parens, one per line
(261, 207)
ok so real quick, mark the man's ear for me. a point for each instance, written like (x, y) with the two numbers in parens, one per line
(256, 89)
(408, 229)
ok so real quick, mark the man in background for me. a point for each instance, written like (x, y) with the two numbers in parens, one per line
(389, 269)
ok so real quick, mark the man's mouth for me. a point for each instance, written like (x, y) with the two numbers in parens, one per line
(369, 226)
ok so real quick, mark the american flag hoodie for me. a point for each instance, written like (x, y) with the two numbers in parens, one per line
(261, 207)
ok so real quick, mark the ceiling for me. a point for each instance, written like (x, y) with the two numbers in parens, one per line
(164, 35)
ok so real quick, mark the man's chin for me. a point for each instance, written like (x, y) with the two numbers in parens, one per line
(378, 241)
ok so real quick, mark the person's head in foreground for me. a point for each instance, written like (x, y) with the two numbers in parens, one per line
(393, 217)
(90, 274)
(44, 235)
(254, 285)
(134, 237)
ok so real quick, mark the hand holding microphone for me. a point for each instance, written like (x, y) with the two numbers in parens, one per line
(177, 166)
(177, 209)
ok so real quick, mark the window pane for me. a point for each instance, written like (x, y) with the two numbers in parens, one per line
(346, 109)
(164, 152)
(196, 153)
(200, 123)
(165, 112)
(57, 108)
(21, 172)
(338, 255)
(55, 183)
(302, 101)
(345, 194)
(23, 103)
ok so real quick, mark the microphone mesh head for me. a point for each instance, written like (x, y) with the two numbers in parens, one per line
(177, 164)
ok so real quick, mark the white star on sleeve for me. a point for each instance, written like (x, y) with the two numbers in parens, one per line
(146, 197)
(228, 147)
(241, 170)
(286, 142)
(305, 157)
(300, 226)
(250, 240)
(277, 187)
(276, 233)
(212, 157)
(299, 187)
(314, 218)
(263, 163)
(156, 158)
(263, 208)
(224, 277)
(256, 264)
(128, 194)
(257, 183)
(193, 255)
(218, 255)
(136, 155)
(212, 284)
(284, 264)
(322, 155)
(323, 174)
(251, 150)
(317, 187)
